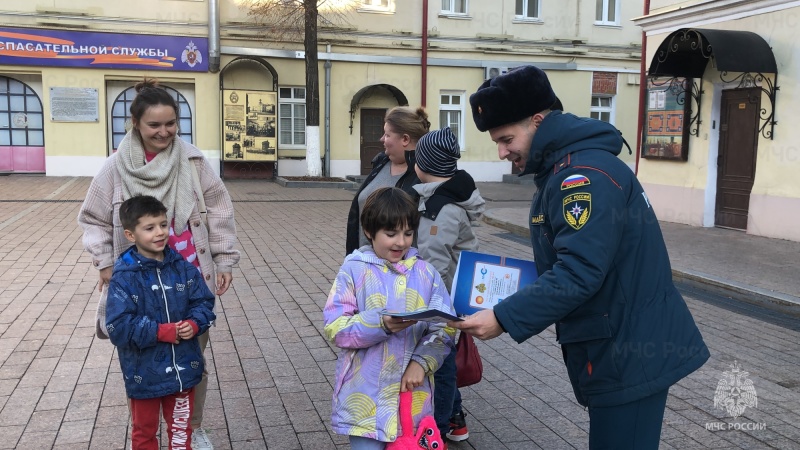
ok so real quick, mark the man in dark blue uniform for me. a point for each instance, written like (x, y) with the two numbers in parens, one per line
(605, 279)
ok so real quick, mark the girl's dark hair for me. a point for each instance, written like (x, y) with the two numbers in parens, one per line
(405, 120)
(389, 208)
(150, 93)
(137, 207)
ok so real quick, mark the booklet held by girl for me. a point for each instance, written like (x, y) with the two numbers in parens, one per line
(482, 280)
(427, 315)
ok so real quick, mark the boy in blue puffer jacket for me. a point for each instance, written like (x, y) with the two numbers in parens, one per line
(157, 304)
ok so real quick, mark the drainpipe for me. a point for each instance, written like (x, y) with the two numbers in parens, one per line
(213, 36)
(328, 111)
(424, 86)
(642, 91)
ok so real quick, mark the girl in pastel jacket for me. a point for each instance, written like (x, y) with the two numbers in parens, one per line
(382, 355)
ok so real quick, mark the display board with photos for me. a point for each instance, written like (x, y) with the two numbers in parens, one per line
(249, 125)
(667, 112)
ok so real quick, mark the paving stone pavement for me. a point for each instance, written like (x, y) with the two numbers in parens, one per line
(271, 369)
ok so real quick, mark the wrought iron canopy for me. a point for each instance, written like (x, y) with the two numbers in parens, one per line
(685, 53)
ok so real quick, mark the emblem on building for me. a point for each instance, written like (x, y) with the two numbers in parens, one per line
(191, 55)
(234, 97)
(735, 392)
(20, 120)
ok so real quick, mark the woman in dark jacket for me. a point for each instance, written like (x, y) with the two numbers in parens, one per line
(402, 128)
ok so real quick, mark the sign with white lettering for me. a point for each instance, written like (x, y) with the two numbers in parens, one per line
(42, 47)
(73, 104)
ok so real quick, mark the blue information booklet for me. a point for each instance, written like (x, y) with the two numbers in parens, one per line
(482, 281)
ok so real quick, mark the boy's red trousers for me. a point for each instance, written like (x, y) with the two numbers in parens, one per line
(177, 409)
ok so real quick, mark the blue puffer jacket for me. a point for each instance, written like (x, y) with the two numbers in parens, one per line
(605, 277)
(144, 293)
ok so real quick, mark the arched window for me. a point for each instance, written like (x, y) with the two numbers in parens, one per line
(121, 115)
(21, 117)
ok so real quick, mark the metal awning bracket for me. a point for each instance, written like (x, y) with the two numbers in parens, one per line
(768, 86)
(684, 89)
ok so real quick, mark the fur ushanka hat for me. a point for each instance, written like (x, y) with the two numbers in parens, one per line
(511, 97)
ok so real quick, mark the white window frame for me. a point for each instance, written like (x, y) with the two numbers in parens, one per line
(460, 108)
(604, 19)
(374, 6)
(291, 101)
(450, 10)
(523, 17)
(601, 109)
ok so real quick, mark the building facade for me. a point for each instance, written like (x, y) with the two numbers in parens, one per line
(67, 71)
(732, 160)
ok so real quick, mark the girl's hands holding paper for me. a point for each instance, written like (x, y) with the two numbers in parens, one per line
(395, 324)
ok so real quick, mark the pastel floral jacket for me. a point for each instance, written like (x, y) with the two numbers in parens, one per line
(372, 362)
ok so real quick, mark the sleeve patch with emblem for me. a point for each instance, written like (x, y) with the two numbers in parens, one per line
(574, 181)
(537, 219)
(577, 208)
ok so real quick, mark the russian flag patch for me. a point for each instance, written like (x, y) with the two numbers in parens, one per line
(574, 181)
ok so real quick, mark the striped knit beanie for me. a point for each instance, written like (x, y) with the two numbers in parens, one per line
(437, 153)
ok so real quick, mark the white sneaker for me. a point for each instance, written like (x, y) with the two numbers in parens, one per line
(200, 440)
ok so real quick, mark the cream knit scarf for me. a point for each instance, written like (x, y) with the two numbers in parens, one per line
(167, 177)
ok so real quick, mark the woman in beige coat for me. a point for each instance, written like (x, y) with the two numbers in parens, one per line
(152, 160)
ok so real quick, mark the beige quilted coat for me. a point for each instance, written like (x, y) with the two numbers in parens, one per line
(103, 235)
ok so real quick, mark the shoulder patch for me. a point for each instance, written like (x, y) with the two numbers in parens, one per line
(574, 181)
(537, 219)
(577, 209)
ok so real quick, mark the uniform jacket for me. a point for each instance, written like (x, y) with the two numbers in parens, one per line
(445, 229)
(604, 273)
(406, 181)
(372, 362)
(144, 293)
(104, 238)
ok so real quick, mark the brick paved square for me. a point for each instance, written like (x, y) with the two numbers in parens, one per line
(271, 369)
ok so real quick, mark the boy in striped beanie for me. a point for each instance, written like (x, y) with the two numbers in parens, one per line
(449, 202)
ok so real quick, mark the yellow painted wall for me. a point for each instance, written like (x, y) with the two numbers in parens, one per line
(466, 80)
(207, 112)
(346, 79)
(657, 6)
(151, 9)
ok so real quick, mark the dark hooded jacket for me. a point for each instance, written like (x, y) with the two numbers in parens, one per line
(144, 293)
(605, 278)
(406, 183)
